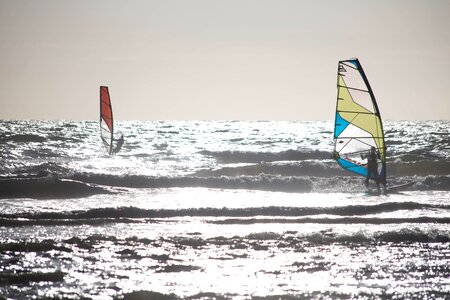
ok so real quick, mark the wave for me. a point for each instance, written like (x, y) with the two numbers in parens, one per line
(231, 221)
(44, 153)
(439, 183)
(41, 170)
(51, 180)
(262, 171)
(228, 156)
(168, 132)
(27, 277)
(47, 188)
(41, 246)
(305, 168)
(34, 170)
(145, 294)
(256, 157)
(419, 168)
(86, 184)
(252, 180)
(257, 241)
(65, 139)
(271, 211)
(23, 138)
(352, 220)
(355, 184)
(328, 168)
(259, 182)
(61, 222)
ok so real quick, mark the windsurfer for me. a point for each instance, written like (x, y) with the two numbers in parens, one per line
(119, 144)
(372, 167)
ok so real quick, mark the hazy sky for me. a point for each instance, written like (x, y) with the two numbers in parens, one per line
(207, 59)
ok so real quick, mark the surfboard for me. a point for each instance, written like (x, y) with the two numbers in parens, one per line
(399, 187)
(390, 189)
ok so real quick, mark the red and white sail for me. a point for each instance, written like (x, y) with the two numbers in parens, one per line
(106, 119)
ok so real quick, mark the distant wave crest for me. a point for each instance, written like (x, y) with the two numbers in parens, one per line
(256, 157)
(326, 215)
(47, 188)
(76, 185)
(23, 138)
(258, 182)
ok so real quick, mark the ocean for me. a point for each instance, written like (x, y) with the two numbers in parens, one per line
(219, 210)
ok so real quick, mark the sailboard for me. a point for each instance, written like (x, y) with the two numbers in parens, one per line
(106, 120)
(358, 126)
(393, 189)
(400, 187)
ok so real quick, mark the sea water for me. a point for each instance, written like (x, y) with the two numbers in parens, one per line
(219, 209)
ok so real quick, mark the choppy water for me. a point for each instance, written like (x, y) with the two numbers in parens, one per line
(219, 209)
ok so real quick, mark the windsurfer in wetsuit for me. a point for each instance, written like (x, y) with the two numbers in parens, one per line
(119, 144)
(372, 167)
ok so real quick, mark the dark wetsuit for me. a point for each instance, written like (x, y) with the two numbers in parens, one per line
(372, 168)
(119, 145)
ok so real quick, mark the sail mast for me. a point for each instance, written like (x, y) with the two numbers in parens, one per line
(377, 112)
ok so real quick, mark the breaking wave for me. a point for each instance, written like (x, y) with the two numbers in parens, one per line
(256, 157)
(27, 277)
(257, 241)
(328, 168)
(86, 184)
(23, 138)
(37, 170)
(46, 188)
(350, 214)
(259, 182)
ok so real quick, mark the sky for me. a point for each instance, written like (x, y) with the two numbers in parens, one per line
(220, 60)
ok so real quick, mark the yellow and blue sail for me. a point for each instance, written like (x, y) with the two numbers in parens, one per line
(358, 127)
